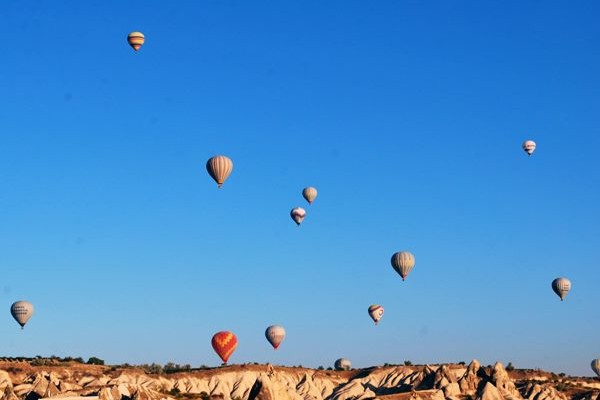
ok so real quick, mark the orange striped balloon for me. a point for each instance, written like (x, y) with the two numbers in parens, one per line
(224, 343)
(219, 168)
(136, 40)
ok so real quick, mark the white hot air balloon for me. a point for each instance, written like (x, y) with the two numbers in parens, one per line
(403, 262)
(343, 364)
(561, 287)
(310, 194)
(275, 335)
(298, 214)
(376, 312)
(596, 366)
(21, 311)
(529, 147)
(219, 168)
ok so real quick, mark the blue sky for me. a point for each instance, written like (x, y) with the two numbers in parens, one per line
(408, 117)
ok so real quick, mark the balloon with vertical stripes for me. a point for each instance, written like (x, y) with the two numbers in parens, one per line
(403, 262)
(596, 366)
(219, 168)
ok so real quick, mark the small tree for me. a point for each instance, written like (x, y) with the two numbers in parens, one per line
(95, 361)
(510, 367)
(408, 363)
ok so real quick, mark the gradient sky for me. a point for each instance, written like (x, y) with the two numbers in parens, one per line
(408, 116)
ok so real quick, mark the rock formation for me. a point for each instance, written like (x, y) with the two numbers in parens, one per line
(255, 382)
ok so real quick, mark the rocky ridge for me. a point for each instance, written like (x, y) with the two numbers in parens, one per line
(256, 382)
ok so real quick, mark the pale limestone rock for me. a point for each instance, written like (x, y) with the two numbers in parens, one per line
(490, 392)
(471, 379)
(266, 389)
(543, 392)
(503, 382)
(111, 393)
(6, 387)
(452, 390)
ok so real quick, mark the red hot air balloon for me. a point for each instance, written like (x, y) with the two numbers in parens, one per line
(224, 343)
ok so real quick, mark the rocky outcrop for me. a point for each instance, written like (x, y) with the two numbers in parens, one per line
(505, 385)
(249, 382)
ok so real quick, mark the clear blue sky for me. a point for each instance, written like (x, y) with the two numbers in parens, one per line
(407, 116)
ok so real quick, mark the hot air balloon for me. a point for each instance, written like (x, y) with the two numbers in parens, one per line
(21, 311)
(136, 40)
(275, 335)
(298, 214)
(403, 262)
(224, 344)
(596, 366)
(561, 287)
(342, 364)
(529, 147)
(376, 312)
(310, 194)
(219, 168)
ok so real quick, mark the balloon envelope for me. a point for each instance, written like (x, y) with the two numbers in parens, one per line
(376, 312)
(298, 214)
(342, 364)
(136, 40)
(310, 194)
(403, 262)
(21, 311)
(275, 335)
(529, 146)
(561, 287)
(219, 168)
(596, 366)
(224, 343)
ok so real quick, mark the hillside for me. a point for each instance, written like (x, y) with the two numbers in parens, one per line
(23, 381)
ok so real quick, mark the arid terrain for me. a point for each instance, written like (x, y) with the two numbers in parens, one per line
(21, 380)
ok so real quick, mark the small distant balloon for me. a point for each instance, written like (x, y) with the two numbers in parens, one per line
(596, 366)
(561, 287)
(275, 335)
(343, 364)
(224, 343)
(529, 147)
(298, 214)
(403, 262)
(21, 311)
(376, 312)
(136, 40)
(310, 194)
(219, 168)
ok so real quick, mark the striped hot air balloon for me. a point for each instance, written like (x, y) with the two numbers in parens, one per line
(529, 147)
(21, 311)
(275, 335)
(298, 214)
(310, 194)
(136, 40)
(376, 312)
(224, 343)
(403, 262)
(561, 287)
(219, 168)
(596, 366)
